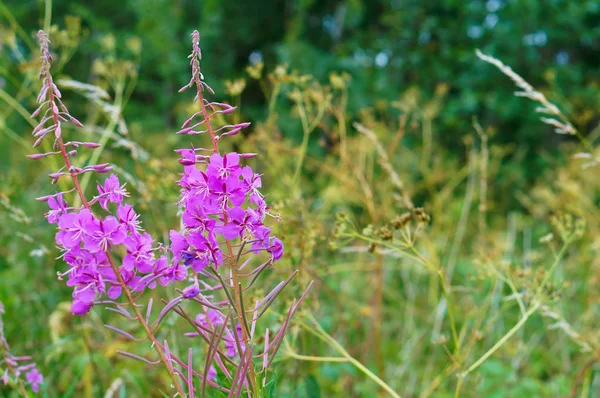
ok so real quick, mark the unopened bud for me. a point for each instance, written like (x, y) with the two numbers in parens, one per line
(90, 144)
(75, 121)
(233, 131)
(40, 133)
(36, 156)
(185, 131)
(191, 292)
(37, 111)
(38, 142)
(226, 109)
(186, 162)
(102, 168)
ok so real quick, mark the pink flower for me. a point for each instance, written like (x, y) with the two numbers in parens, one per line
(58, 207)
(73, 228)
(34, 378)
(128, 217)
(223, 166)
(111, 191)
(276, 249)
(100, 234)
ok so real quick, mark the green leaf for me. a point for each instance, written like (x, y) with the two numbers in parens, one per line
(312, 387)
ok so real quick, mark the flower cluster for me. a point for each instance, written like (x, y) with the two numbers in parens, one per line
(220, 197)
(222, 200)
(15, 366)
(85, 240)
(223, 214)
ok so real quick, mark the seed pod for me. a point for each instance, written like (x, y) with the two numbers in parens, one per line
(384, 233)
(401, 220)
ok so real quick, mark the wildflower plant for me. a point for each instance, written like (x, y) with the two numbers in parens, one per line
(112, 261)
(13, 368)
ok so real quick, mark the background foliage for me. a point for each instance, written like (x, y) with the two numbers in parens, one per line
(407, 71)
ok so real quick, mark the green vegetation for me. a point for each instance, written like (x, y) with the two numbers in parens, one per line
(453, 236)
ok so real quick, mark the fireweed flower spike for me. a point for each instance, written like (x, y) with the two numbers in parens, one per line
(13, 368)
(88, 239)
(223, 229)
(223, 219)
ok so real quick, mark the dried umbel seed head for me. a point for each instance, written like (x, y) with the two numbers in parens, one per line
(402, 220)
(341, 217)
(384, 233)
(339, 230)
(568, 227)
(421, 216)
(372, 248)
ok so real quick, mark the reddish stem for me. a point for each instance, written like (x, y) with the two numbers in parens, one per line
(205, 113)
(114, 267)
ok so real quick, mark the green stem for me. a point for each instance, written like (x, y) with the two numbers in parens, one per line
(47, 15)
(349, 358)
(532, 309)
(449, 306)
(557, 259)
(503, 340)
(304, 145)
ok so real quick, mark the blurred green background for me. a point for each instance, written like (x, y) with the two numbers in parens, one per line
(387, 46)
(405, 69)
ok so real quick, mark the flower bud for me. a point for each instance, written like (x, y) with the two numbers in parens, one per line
(75, 121)
(102, 168)
(36, 156)
(37, 111)
(90, 144)
(185, 130)
(191, 291)
(38, 142)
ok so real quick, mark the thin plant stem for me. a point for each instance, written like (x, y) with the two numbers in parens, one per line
(306, 134)
(47, 15)
(503, 340)
(531, 310)
(315, 359)
(319, 332)
(307, 129)
(114, 267)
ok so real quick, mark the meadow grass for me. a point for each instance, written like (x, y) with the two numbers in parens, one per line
(438, 272)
